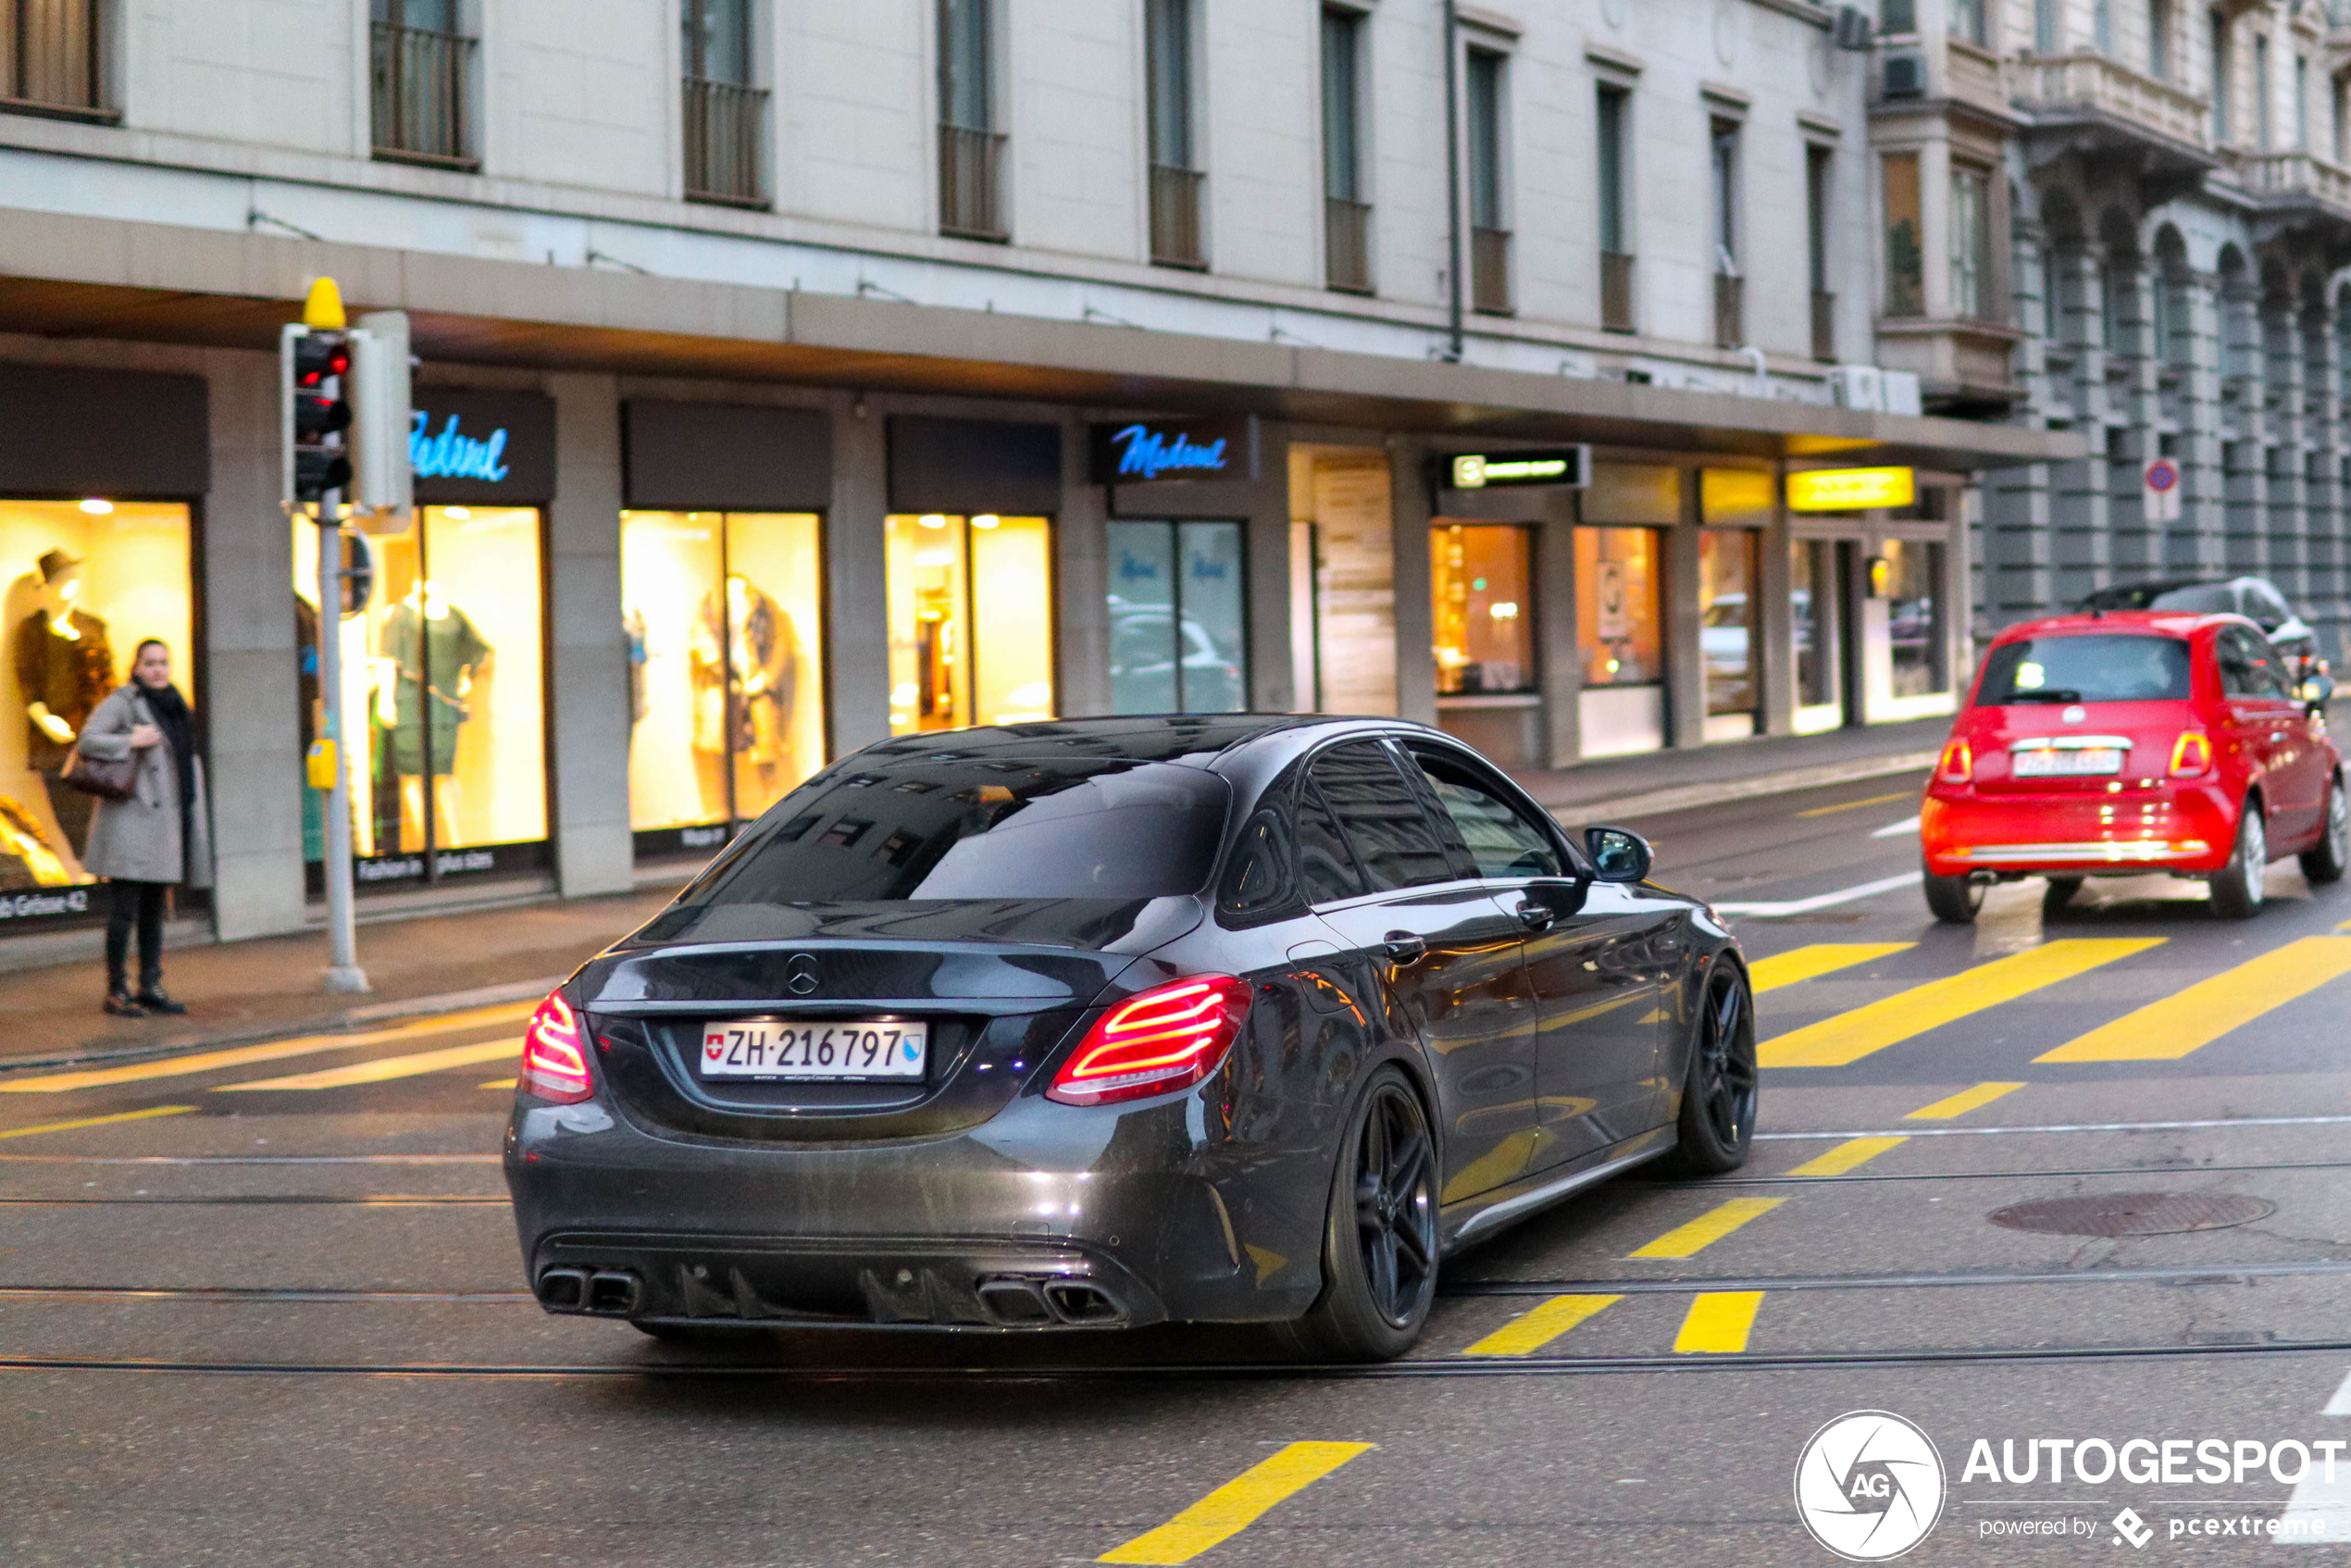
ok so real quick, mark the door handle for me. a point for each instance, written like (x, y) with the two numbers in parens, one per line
(1403, 947)
(1536, 917)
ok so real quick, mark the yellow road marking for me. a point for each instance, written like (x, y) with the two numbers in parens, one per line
(1855, 806)
(1820, 958)
(1846, 1155)
(1960, 1104)
(498, 1083)
(1719, 1323)
(1526, 1335)
(2187, 1020)
(386, 1067)
(1235, 1505)
(97, 1120)
(243, 1055)
(1686, 1240)
(1849, 1036)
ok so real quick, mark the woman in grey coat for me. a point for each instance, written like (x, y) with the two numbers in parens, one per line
(157, 837)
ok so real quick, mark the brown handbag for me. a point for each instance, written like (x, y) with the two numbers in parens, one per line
(107, 781)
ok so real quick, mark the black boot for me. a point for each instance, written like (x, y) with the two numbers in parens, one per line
(152, 997)
(120, 1004)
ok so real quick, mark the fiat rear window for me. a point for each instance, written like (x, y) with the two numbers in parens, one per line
(2092, 668)
(956, 828)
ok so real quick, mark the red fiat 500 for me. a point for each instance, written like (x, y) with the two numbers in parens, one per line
(2116, 744)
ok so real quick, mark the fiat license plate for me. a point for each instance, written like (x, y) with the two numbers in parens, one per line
(2085, 762)
(854, 1050)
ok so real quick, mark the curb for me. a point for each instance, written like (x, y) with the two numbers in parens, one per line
(351, 1020)
(1656, 802)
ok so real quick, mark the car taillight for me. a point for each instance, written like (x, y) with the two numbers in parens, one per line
(1168, 1038)
(1958, 764)
(554, 1065)
(2190, 753)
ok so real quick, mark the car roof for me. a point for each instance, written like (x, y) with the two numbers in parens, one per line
(2160, 623)
(1194, 738)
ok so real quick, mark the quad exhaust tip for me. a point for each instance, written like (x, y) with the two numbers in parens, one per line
(1018, 1302)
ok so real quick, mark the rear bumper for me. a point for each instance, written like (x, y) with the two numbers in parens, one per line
(1047, 1217)
(2188, 828)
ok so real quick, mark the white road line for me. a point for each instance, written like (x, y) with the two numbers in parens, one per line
(1895, 829)
(2318, 1514)
(1822, 901)
(2069, 1126)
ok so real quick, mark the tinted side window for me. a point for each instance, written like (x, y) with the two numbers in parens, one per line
(2248, 665)
(1257, 874)
(1500, 838)
(1323, 863)
(1393, 839)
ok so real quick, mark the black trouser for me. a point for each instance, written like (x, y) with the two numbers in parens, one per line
(140, 904)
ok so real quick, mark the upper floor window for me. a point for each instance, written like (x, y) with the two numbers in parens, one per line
(422, 69)
(2045, 27)
(1490, 229)
(1970, 245)
(1897, 16)
(725, 115)
(1346, 209)
(1174, 180)
(1966, 21)
(1818, 164)
(2160, 39)
(1904, 262)
(2102, 25)
(54, 61)
(2302, 102)
(971, 150)
(2261, 89)
(1614, 146)
(2223, 67)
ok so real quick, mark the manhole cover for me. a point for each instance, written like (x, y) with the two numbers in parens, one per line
(2133, 1214)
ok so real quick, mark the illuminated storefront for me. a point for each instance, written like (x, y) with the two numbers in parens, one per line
(85, 575)
(443, 655)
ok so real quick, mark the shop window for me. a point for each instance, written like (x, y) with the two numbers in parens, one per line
(1178, 636)
(85, 582)
(1916, 616)
(726, 676)
(1727, 588)
(444, 695)
(1617, 619)
(971, 620)
(1813, 605)
(1482, 589)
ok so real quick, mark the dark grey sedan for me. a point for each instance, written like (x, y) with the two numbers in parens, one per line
(1111, 1022)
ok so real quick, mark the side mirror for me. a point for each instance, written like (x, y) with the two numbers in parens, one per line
(1618, 854)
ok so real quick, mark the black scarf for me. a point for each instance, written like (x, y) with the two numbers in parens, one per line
(178, 724)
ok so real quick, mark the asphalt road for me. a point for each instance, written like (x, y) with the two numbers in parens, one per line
(265, 1307)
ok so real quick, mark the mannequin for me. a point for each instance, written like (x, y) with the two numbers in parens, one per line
(63, 669)
(745, 675)
(438, 658)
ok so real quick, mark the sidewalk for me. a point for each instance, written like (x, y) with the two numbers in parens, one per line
(269, 988)
(1658, 782)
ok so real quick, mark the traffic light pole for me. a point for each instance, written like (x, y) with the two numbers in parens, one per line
(343, 972)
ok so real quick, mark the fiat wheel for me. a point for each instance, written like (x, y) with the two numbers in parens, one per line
(2326, 860)
(2237, 889)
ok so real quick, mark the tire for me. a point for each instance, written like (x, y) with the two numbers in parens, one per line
(1716, 1126)
(1953, 899)
(2237, 890)
(2328, 859)
(1379, 1244)
(2058, 894)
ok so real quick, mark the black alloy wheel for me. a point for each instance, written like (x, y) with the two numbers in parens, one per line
(1718, 1096)
(1379, 1248)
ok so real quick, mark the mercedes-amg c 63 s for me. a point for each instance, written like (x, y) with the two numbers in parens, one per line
(1099, 1023)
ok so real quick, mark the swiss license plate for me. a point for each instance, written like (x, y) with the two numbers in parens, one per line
(854, 1050)
(2084, 762)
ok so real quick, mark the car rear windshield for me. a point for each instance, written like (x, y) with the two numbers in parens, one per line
(956, 828)
(2092, 668)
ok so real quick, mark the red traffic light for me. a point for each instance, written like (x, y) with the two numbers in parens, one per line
(318, 357)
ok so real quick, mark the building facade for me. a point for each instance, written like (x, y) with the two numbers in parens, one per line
(794, 374)
(2131, 219)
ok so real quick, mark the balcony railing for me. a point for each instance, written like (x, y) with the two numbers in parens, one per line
(725, 123)
(1729, 325)
(51, 53)
(2090, 80)
(1490, 270)
(1825, 327)
(421, 79)
(1176, 236)
(1616, 292)
(971, 183)
(2297, 174)
(1347, 244)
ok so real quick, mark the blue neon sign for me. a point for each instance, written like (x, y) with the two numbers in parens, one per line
(1173, 449)
(453, 454)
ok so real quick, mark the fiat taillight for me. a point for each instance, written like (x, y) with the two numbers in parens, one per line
(2190, 753)
(554, 1066)
(1958, 764)
(1168, 1038)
